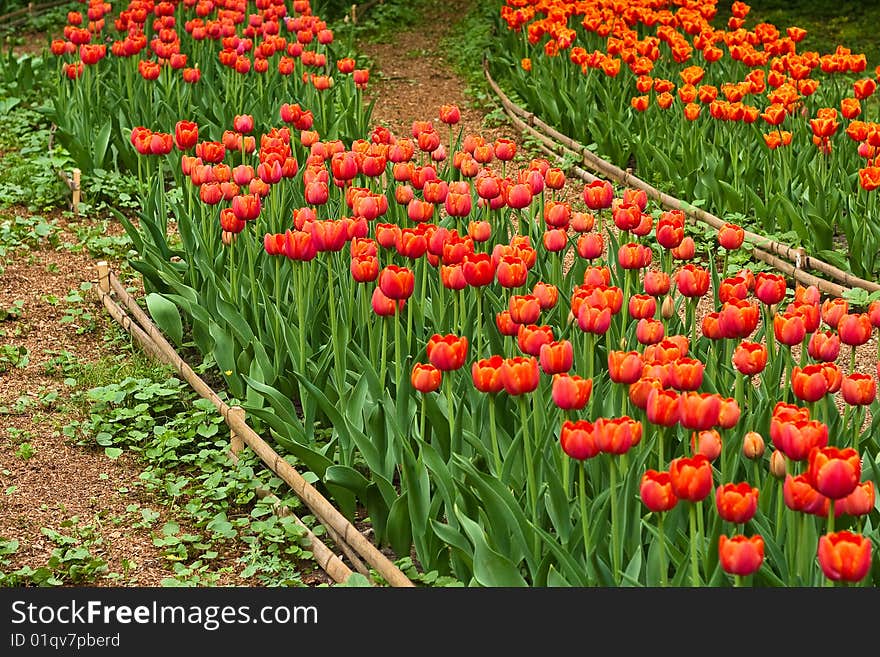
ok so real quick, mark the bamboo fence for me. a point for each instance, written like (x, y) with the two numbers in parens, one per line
(352, 542)
(794, 261)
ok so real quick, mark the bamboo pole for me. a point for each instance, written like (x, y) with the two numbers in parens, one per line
(326, 513)
(794, 271)
(324, 556)
(764, 244)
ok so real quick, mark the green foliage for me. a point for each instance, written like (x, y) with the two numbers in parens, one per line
(76, 560)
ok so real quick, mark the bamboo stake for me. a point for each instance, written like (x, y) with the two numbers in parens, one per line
(798, 255)
(281, 510)
(77, 174)
(236, 444)
(326, 513)
(329, 562)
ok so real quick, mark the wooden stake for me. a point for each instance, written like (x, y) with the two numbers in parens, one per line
(236, 443)
(104, 276)
(76, 191)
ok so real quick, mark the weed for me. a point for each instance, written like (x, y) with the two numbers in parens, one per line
(13, 356)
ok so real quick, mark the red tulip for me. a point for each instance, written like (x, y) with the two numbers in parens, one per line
(520, 374)
(590, 245)
(598, 194)
(642, 306)
(425, 377)
(833, 309)
(736, 502)
(447, 352)
(655, 490)
(546, 293)
(511, 272)
(734, 287)
(692, 281)
(750, 358)
(524, 308)
(858, 503)
(555, 356)
(650, 331)
(570, 391)
(789, 329)
(663, 407)
(486, 374)
(855, 329)
(657, 283)
(594, 320)
(699, 411)
(685, 250)
(858, 389)
(730, 236)
(844, 556)
(686, 374)
(364, 268)
(639, 391)
(531, 337)
(769, 287)
(617, 435)
(738, 318)
(834, 472)
(800, 495)
(691, 478)
(578, 439)
(740, 555)
(396, 282)
(624, 366)
(706, 442)
(824, 346)
(505, 323)
(809, 383)
(383, 305)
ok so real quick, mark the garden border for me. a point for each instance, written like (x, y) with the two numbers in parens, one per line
(145, 332)
(557, 143)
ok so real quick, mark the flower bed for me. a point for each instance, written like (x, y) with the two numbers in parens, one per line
(517, 385)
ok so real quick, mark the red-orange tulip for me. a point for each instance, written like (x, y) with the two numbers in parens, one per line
(740, 555)
(555, 356)
(731, 236)
(692, 281)
(531, 337)
(617, 435)
(383, 305)
(520, 374)
(858, 503)
(425, 377)
(699, 410)
(858, 389)
(706, 442)
(691, 477)
(789, 328)
(844, 556)
(769, 287)
(736, 502)
(624, 366)
(655, 490)
(824, 346)
(855, 329)
(834, 472)
(800, 495)
(750, 358)
(662, 407)
(486, 374)
(686, 374)
(570, 392)
(809, 383)
(578, 439)
(396, 282)
(447, 352)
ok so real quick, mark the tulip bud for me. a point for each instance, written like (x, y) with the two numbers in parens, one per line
(778, 466)
(753, 445)
(667, 309)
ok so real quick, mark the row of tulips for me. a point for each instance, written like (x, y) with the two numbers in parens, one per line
(739, 116)
(144, 63)
(526, 386)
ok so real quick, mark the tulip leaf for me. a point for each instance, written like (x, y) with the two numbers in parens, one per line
(559, 509)
(455, 539)
(555, 579)
(166, 315)
(633, 569)
(399, 529)
(348, 478)
(490, 568)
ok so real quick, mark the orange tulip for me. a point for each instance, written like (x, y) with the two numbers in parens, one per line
(844, 556)
(740, 555)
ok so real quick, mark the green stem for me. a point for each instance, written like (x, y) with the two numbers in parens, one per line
(455, 448)
(493, 432)
(532, 487)
(695, 564)
(662, 547)
(585, 525)
(615, 526)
